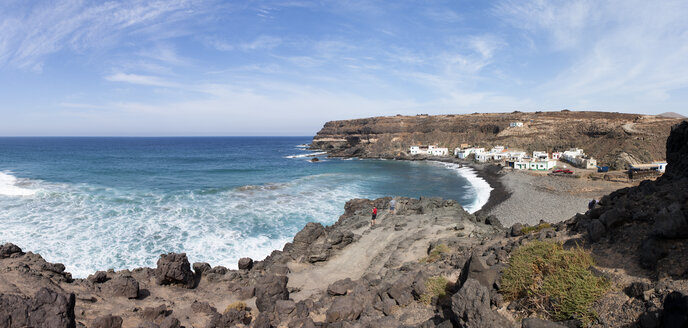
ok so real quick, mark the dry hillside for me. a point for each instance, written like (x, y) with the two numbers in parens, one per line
(613, 138)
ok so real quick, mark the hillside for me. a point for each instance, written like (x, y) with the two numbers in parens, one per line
(615, 139)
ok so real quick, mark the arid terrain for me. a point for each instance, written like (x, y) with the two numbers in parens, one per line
(614, 139)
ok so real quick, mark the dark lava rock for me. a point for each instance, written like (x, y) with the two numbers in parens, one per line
(344, 308)
(340, 287)
(651, 252)
(98, 278)
(230, 319)
(125, 286)
(477, 269)
(107, 321)
(471, 307)
(636, 289)
(174, 268)
(539, 323)
(676, 150)
(670, 223)
(8, 249)
(269, 290)
(200, 267)
(516, 230)
(170, 322)
(596, 230)
(675, 314)
(46, 309)
(245, 263)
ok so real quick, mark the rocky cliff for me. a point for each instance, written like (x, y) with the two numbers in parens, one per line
(614, 139)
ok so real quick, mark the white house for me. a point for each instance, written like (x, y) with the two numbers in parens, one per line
(540, 155)
(556, 155)
(439, 151)
(661, 166)
(542, 165)
(516, 124)
(516, 156)
(497, 149)
(417, 150)
(483, 157)
(500, 156)
(464, 153)
(518, 165)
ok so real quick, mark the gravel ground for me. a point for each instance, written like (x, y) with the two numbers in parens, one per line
(540, 197)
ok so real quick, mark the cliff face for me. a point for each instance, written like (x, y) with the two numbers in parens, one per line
(612, 138)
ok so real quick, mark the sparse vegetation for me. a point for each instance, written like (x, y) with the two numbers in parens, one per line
(527, 230)
(434, 287)
(553, 281)
(236, 306)
(435, 254)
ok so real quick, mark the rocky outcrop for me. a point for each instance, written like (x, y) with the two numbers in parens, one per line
(174, 269)
(46, 309)
(612, 138)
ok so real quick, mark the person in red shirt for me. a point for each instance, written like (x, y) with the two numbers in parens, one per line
(372, 222)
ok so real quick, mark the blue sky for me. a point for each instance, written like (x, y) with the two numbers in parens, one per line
(204, 67)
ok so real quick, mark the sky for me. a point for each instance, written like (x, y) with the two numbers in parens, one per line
(206, 67)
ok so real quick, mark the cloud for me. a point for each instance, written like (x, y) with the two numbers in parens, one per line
(141, 80)
(262, 42)
(42, 28)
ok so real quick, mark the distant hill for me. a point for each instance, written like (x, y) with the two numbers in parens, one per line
(614, 139)
(671, 115)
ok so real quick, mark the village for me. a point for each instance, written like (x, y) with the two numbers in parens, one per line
(556, 162)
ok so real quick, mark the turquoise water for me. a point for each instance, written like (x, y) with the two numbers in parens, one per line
(99, 203)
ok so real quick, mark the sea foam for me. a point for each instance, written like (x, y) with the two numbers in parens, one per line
(481, 188)
(11, 186)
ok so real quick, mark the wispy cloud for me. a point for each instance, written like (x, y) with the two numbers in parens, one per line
(141, 80)
(262, 42)
(43, 28)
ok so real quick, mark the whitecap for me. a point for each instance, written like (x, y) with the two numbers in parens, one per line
(307, 155)
(481, 188)
(11, 186)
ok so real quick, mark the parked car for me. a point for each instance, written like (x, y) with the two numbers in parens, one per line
(564, 171)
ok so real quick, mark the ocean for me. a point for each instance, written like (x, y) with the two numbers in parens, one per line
(100, 203)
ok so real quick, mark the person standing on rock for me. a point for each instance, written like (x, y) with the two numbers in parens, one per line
(372, 220)
(393, 206)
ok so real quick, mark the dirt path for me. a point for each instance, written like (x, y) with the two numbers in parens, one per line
(394, 240)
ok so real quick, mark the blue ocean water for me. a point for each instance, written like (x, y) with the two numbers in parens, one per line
(99, 203)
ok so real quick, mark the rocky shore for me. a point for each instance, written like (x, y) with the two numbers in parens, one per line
(431, 264)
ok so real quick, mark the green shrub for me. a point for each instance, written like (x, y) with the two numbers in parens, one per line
(434, 286)
(435, 254)
(555, 281)
(527, 230)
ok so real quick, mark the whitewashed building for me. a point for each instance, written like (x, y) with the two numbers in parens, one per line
(516, 124)
(516, 156)
(497, 149)
(439, 151)
(540, 155)
(464, 153)
(483, 157)
(556, 155)
(542, 165)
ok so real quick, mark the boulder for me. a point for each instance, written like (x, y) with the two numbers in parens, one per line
(245, 263)
(46, 309)
(477, 269)
(98, 278)
(471, 307)
(402, 294)
(675, 312)
(8, 249)
(124, 286)
(107, 321)
(174, 269)
(200, 267)
(230, 319)
(596, 230)
(677, 151)
(170, 322)
(516, 230)
(202, 307)
(340, 287)
(670, 223)
(344, 308)
(246, 292)
(269, 290)
(637, 289)
(311, 232)
(155, 314)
